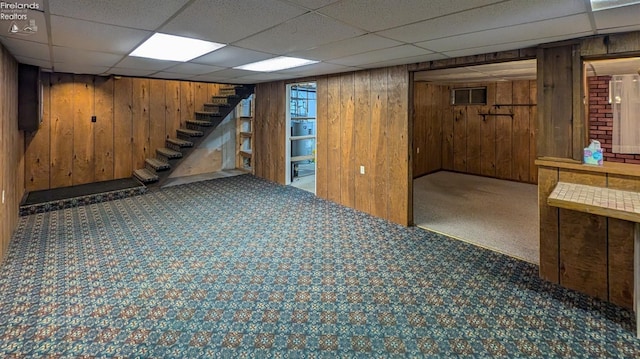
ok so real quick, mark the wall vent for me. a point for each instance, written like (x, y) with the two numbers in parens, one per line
(469, 96)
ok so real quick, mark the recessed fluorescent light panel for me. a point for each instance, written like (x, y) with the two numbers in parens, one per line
(174, 48)
(610, 4)
(276, 64)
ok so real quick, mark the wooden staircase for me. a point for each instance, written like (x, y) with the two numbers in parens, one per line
(157, 169)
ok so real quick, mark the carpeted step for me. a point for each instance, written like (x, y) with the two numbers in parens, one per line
(220, 100)
(207, 116)
(168, 153)
(199, 125)
(176, 144)
(156, 164)
(185, 133)
(200, 115)
(79, 195)
(214, 107)
(203, 123)
(230, 91)
(145, 176)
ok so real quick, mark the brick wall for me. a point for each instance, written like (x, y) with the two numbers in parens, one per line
(601, 119)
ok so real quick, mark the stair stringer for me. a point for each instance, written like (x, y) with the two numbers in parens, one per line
(210, 155)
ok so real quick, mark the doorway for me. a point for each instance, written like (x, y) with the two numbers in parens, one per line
(301, 136)
(473, 155)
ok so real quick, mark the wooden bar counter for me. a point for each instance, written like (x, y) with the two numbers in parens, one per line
(584, 248)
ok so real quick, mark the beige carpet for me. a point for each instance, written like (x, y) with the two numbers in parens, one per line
(494, 214)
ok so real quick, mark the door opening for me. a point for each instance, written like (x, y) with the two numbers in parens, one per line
(301, 136)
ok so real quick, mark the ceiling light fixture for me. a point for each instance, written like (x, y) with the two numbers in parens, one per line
(597, 5)
(174, 48)
(276, 64)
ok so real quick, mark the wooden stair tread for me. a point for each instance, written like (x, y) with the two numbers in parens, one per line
(145, 176)
(207, 113)
(157, 164)
(200, 123)
(169, 153)
(211, 104)
(179, 142)
(188, 132)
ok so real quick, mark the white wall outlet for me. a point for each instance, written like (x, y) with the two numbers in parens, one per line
(361, 170)
(417, 149)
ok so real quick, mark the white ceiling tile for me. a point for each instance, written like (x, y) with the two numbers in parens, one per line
(75, 68)
(231, 56)
(211, 78)
(93, 36)
(71, 56)
(169, 75)
(139, 14)
(132, 62)
(568, 26)
(301, 33)
(425, 75)
(130, 72)
(375, 15)
(406, 60)
(263, 76)
(620, 29)
(193, 69)
(313, 4)
(519, 66)
(230, 73)
(510, 46)
(351, 46)
(618, 17)
(35, 62)
(525, 69)
(504, 14)
(34, 28)
(317, 69)
(381, 55)
(627, 65)
(226, 21)
(239, 81)
(22, 47)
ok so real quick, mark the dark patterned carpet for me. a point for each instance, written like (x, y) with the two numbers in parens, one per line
(240, 267)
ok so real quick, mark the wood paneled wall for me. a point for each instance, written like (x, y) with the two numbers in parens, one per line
(362, 120)
(561, 121)
(269, 131)
(430, 105)
(494, 146)
(586, 252)
(134, 116)
(11, 150)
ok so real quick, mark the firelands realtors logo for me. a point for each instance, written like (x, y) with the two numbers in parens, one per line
(17, 14)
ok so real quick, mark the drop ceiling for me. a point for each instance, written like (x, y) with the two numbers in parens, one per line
(95, 37)
(521, 70)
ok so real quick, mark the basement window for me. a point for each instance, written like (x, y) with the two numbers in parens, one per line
(469, 96)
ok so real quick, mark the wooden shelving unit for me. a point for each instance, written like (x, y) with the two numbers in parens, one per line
(244, 136)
